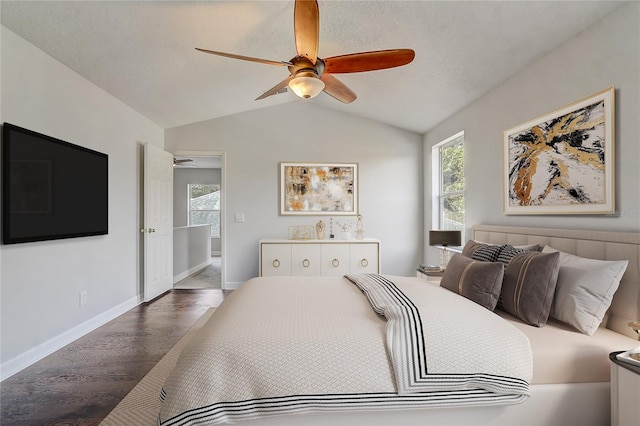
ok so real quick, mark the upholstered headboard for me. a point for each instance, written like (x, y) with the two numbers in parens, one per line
(592, 244)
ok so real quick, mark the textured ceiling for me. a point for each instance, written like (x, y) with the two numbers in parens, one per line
(143, 52)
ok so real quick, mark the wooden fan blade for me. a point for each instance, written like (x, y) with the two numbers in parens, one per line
(337, 89)
(275, 89)
(306, 28)
(245, 58)
(368, 61)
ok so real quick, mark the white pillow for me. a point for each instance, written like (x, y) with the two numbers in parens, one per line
(585, 289)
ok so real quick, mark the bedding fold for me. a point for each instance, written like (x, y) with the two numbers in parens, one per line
(410, 340)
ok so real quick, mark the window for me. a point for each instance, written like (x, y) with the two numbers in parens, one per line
(204, 206)
(448, 184)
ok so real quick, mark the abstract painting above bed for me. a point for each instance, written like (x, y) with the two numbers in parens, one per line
(563, 162)
(284, 345)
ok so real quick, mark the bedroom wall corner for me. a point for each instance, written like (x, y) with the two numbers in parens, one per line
(606, 54)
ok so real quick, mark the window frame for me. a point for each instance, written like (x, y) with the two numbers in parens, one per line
(190, 210)
(437, 193)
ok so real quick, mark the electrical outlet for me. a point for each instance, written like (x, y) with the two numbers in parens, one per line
(83, 298)
(239, 217)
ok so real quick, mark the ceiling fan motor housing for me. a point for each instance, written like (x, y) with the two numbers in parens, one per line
(301, 64)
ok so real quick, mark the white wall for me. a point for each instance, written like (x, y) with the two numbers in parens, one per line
(191, 250)
(41, 281)
(607, 54)
(390, 164)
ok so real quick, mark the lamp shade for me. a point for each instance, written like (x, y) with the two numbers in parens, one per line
(445, 238)
(306, 85)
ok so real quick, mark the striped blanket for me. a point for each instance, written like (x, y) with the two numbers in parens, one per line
(408, 347)
(285, 345)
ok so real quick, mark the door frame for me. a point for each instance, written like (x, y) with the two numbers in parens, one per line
(223, 202)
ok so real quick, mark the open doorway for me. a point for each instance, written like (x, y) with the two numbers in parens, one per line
(199, 199)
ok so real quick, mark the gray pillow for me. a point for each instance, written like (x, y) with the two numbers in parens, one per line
(471, 246)
(475, 280)
(529, 285)
(585, 289)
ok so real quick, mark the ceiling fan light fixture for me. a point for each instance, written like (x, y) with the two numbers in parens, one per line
(306, 85)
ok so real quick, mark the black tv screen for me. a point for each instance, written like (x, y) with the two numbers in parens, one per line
(51, 189)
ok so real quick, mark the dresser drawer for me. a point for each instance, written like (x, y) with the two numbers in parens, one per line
(364, 258)
(275, 259)
(335, 259)
(305, 259)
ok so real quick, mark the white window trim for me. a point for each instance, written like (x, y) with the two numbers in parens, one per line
(203, 210)
(436, 179)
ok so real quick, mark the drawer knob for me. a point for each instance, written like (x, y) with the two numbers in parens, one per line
(335, 263)
(364, 263)
(306, 263)
(276, 263)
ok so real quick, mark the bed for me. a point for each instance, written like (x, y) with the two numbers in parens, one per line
(354, 350)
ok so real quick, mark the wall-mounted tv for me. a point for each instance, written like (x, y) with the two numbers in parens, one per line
(51, 189)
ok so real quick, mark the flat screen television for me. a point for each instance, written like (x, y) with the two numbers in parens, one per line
(51, 189)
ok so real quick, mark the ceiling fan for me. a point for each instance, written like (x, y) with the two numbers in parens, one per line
(309, 74)
(177, 162)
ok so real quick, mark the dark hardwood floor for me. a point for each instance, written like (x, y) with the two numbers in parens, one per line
(82, 382)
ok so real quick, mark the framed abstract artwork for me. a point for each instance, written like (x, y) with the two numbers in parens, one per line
(563, 162)
(319, 189)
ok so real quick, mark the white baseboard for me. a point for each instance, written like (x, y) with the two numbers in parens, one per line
(14, 365)
(191, 271)
(216, 253)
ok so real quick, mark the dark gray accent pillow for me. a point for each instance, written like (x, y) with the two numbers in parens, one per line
(475, 280)
(529, 285)
(470, 247)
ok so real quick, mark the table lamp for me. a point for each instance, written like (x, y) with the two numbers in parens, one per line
(445, 239)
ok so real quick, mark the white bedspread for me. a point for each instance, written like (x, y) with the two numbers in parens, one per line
(294, 344)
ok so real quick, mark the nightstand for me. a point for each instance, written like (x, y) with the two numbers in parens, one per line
(431, 276)
(625, 388)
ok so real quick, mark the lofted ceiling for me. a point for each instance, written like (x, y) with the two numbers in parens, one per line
(142, 52)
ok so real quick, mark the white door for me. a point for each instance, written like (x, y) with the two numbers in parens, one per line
(158, 222)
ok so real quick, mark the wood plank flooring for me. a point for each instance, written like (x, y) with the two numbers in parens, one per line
(82, 382)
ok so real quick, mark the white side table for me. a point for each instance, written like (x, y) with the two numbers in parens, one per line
(432, 277)
(625, 388)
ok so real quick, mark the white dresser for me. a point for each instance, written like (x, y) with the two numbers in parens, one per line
(280, 257)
